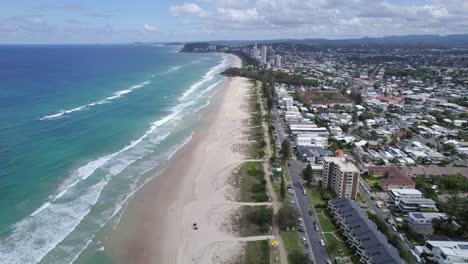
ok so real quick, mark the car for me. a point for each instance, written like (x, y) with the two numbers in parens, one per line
(322, 243)
(388, 220)
(401, 237)
(394, 228)
(304, 240)
(300, 229)
(293, 202)
(310, 212)
(316, 227)
(304, 192)
(416, 257)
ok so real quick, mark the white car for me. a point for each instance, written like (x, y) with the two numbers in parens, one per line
(293, 202)
(322, 243)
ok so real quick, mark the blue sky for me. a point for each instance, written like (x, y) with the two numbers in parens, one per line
(119, 21)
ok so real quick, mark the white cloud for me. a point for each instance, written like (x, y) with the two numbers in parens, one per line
(150, 28)
(325, 18)
(187, 8)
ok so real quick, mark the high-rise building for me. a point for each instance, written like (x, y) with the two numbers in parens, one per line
(264, 54)
(254, 51)
(340, 175)
(278, 61)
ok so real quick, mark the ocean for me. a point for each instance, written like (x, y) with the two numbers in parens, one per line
(81, 127)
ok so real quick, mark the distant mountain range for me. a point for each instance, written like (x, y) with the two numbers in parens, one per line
(437, 40)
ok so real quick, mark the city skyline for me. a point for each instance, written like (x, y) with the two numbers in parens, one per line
(204, 20)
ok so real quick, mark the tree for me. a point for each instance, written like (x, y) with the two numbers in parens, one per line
(287, 217)
(282, 188)
(308, 174)
(285, 150)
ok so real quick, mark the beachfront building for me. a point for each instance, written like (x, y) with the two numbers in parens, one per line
(370, 245)
(340, 175)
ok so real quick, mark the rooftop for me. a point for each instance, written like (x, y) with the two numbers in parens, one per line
(343, 163)
(406, 192)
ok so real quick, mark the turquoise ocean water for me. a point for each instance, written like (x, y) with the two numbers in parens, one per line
(80, 127)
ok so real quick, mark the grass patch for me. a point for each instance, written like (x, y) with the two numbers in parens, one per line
(325, 223)
(251, 220)
(257, 252)
(291, 241)
(314, 197)
(336, 247)
(373, 183)
(286, 173)
(277, 189)
(249, 180)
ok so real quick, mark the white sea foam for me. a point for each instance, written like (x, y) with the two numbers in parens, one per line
(103, 101)
(47, 228)
(208, 77)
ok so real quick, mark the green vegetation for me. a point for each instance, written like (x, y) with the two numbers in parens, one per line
(392, 239)
(447, 184)
(277, 189)
(282, 189)
(297, 257)
(373, 183)
(250, 179)
(256, 148)
(291, 241)
(308, 174)
(271, 76)
(315, 197)
(288, 217)
(285, 150)
(455, 207)
(336, 247)
(256, 252)
(401, 72)
(325, 223)
(252, 220)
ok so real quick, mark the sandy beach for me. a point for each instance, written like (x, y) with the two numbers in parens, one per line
(157, 224)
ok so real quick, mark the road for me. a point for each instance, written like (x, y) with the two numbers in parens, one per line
(308, 217)
(317, 252)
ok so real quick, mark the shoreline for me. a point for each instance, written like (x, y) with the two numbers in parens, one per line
(156, 225)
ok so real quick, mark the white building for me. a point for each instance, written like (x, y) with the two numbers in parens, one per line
(263, 54)
(288, 101)
(278, 61)
(448, 252)
(397, 194)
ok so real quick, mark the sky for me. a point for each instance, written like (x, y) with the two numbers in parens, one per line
(124, 21)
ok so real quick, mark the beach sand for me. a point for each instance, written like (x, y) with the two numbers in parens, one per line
(156, 226)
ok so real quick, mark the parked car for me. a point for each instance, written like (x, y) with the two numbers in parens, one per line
(394, 228)
(401, 237)
(322, 243)
(304, 240)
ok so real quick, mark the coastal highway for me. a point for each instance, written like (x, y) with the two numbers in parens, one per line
(316, 251)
